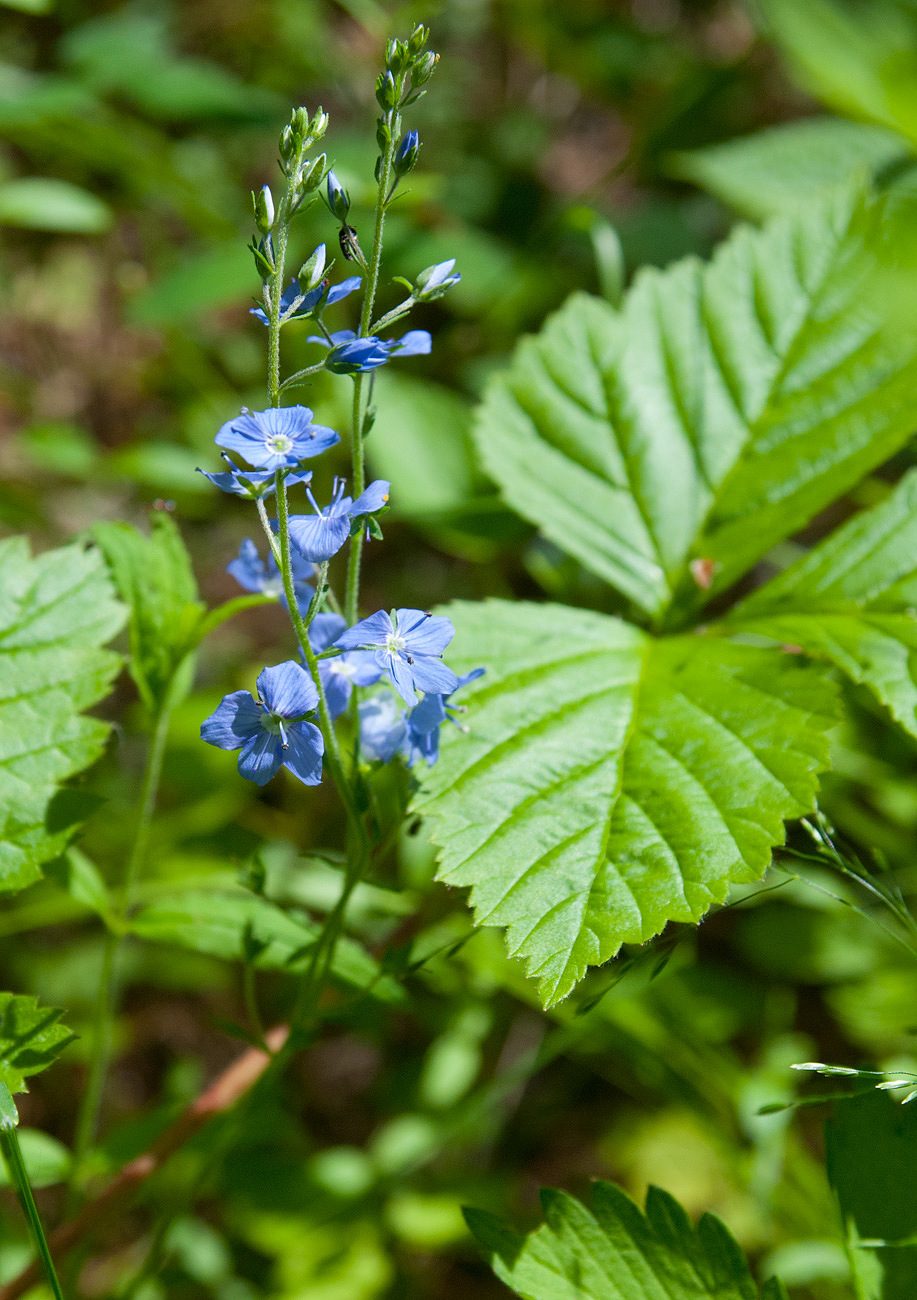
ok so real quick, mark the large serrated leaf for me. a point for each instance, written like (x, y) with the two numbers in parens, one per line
(785, 168)
(31, 1038)
(56, 612)
(720, 409)
(615, 1251)
(610, 782)
(852, 600)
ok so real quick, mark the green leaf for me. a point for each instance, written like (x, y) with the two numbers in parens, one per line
(715, 414)
(217, 922)
(154, 576)
(860, 59)
(871, 1148)
(610, 782)
(56, 612)
(785, 168)
(39, 203)
(31, 1039)
(615, 1251)
(851, 600)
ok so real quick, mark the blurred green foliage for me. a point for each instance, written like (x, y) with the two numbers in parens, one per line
(562, 143)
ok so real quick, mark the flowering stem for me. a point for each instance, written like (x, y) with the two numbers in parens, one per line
(352, 595)
(332, 749)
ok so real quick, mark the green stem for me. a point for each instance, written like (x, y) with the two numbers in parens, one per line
(9, 1144)
(352, 594)
(107, 996)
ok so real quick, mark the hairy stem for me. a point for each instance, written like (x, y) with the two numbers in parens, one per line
(352, 594)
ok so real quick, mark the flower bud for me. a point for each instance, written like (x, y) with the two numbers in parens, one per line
(311, 272)
(386, 91)
(396, 56)
(263, 253)
(299, 122)
(418, 39)
(338, 201)
(263, 203)
(422, 69)
(319, 124)
(433, 281)
(406, 156)
(312, 175)
(287, 145)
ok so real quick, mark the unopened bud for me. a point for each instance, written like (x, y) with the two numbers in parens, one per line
(319, 124)
(311, 272)
(312, 175)
(299, 122)
(386, 91)
(287, 145)
(338, 201)
(263, 253)
(406, 156)
(422, 69)
(434, 280)
(263, 203)
(396, 56)
(418, 39)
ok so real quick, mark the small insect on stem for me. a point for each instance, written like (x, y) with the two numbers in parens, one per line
(350, 244)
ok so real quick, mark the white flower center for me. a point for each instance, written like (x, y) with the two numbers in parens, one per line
(273, 587)
(279, 442)
(395, 644)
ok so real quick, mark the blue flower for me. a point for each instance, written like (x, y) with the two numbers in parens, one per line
(252, 483)
(340, 675)
(317, 537)
(251, 572)
(408, 645)
(349, 355)
(423, 722)
(383, 727)
(277, 437)
(295, 304)
(434, 281)
(271, 731)
(338, 200)
(406, 156)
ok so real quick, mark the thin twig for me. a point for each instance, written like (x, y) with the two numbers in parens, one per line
(221, 1096)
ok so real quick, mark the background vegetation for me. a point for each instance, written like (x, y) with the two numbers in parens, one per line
(564, 147)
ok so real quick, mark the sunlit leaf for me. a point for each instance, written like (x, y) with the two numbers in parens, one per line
(610, 782)
(615, 1251)
(56, 613)
(31, 1038)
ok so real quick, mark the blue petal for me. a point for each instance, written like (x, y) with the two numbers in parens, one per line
(325, 627)
(342, 290)
(337, 687)
(416, 343)
(424, 634)
(248, 569)
(373, 499)
(429, 714)
(287, 690)
(236, 719)
(362, 667)
(373, 631)
(303, 754)
(465, 678)
(261, 757)
(432, 676)
(318, 537)
(382, 727)
(421, 744)
(402, 675)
